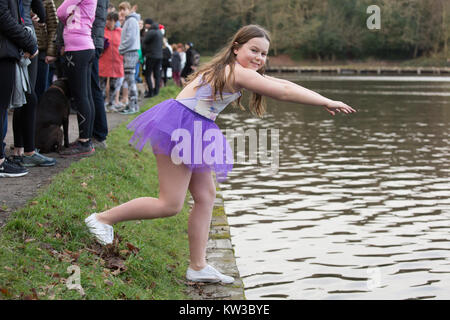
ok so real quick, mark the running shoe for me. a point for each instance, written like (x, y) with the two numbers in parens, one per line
(207, 274)
(103, 232)
(11, 170)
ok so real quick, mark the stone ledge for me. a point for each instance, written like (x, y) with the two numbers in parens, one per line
(219, 254)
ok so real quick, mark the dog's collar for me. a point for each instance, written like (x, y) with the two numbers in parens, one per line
(56, 87)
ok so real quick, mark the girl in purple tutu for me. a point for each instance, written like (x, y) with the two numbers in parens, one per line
(176, 130)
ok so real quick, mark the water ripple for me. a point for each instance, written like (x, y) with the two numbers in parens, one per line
(359, 207)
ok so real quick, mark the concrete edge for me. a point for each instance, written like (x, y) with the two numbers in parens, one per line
(220, 254)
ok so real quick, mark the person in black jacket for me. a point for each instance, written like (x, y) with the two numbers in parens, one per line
(24, 118)
(14, 39)
(166, 60)
(153, 42)
(187, 70)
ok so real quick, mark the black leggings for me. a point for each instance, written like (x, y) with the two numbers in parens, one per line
(24, 118)
(78, 65)
(153, 66)
(8, 68)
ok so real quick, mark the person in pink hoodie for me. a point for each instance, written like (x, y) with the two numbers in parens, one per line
(78, 17)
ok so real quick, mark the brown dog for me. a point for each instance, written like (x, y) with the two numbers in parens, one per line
(52, 113)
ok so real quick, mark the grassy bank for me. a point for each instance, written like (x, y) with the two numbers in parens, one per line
(148, 258)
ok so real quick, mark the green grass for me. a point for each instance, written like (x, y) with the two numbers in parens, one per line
(41, 240)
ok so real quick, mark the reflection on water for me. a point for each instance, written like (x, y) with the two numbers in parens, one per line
(359, 208)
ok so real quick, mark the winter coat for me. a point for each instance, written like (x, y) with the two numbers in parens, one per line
(153, 42)
(111, 62)
(37, 7)
(46, 33)
(187, 70)
(176, 62)
(13, 35)
(130, 40)
(99, 23)
(167, 57)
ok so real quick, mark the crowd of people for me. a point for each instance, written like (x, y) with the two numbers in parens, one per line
(157, 62)
(101, 51)
(86, 51)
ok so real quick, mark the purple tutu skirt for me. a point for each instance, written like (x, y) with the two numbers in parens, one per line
(172, 129)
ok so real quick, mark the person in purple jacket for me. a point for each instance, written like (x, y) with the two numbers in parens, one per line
(79, 51)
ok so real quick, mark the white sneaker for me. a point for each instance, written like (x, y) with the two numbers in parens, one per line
(102, 231)
(207, 274)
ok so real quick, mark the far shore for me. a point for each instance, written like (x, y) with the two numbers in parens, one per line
(285, 61)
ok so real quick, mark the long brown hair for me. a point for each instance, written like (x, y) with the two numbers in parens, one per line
(213, 72)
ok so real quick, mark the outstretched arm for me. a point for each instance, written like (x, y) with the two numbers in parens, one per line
(286, 91)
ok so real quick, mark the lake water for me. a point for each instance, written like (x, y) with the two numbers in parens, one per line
(360, 205)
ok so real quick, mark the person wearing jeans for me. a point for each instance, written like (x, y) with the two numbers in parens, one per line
(100, 131)
(79, 50)
(129, 46)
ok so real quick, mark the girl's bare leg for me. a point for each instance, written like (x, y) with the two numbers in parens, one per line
(125, 96)
(117, 96)
(203, 191)
(173, 185)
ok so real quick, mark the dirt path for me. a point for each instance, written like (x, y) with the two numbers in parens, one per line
(15, 192)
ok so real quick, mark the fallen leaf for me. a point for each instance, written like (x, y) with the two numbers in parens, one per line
(109, 283)
(171, 267)
(29, 240)
(112, 197)
(4, 292)
(75, 256)
(35, 295)
(132, 248)
(124, 252)
(115, 263)
(116, 272)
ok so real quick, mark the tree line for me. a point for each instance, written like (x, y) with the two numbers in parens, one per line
(319, 29)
